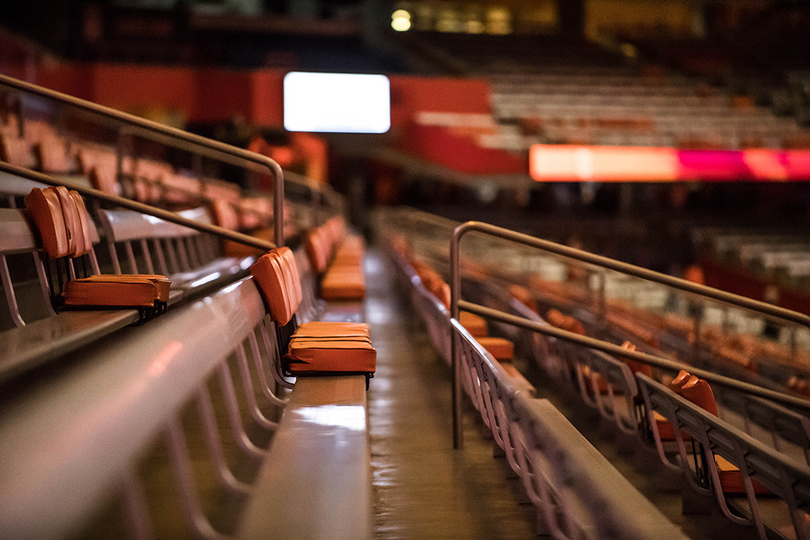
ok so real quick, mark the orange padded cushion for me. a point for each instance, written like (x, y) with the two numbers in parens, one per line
(295, 276)
(501, 349)
(700, 393)
(475, 325)
(317, 252)
(342, 290)
(731, 480)
(46, 211)
(128, 290)
(665, 429)
(84, 243)
(565, 322)
(72, 221)
(329, 328)
(311, 356)
(286, 279)
(522, 295)
(267, 275)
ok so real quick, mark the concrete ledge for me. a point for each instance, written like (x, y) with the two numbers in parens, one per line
(316, 482)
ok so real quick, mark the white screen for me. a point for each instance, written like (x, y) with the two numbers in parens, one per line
(337, 102)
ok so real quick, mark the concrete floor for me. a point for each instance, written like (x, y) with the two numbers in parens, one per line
(423, 488)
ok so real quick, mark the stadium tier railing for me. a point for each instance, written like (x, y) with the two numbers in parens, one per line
(778, 472)
(607, 384)
(576, 492)
(74, 434)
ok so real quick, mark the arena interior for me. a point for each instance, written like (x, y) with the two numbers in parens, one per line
(347, 269)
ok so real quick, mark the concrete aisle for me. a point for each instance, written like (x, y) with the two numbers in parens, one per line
(423, 488)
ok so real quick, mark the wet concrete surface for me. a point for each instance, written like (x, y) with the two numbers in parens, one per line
(424, 488)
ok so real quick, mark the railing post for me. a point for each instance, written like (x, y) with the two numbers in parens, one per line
(455, 294)
(601, 308)
(697, 314)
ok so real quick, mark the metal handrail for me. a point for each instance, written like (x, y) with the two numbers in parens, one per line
(173, 133)
(612, 264)
(645, 358)
(141, 207)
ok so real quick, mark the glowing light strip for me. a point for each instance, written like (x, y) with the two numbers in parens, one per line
(572, 163)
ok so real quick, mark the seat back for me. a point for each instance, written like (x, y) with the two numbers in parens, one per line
(166, 248)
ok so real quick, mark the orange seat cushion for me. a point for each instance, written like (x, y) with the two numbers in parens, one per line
(343, 287)
(317, 356)
(501, 349)
(327, 328)
(731, 480)
(475, 325)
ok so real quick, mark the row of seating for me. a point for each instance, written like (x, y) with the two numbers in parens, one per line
(138, 391)
(146, 179)
(145, 433)
(679, 113)
(192, 260)
(615, 390)
(577, 493)
(338, 258)
(314, 347)
(501, 349)
(767, 421)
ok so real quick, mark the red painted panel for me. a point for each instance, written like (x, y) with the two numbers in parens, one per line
(438, 145)
(135, 88)
(221, 94)
(413, 94)
(72, 79)
(267, 97)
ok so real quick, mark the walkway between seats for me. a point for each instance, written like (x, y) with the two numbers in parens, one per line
(422, 487)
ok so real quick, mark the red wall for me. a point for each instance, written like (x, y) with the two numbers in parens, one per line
(221, 94)
(134, 87)
(214, 94)
(436, 94)
(267, 88)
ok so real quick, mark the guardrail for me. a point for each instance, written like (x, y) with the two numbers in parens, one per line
(128, 125)
(603, 262)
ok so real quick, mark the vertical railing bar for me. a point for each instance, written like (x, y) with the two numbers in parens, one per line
(247, 384)
(232, 405)
(133, 265)
(260, 369)
(181, 466)
(188, 242)
(94, 261)
(114, 256)
(43, 283)
(11, 296)
(214, 445)
(164, 270)
(150, 268)
(172, 256)
(135, 507)
(181, 250)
